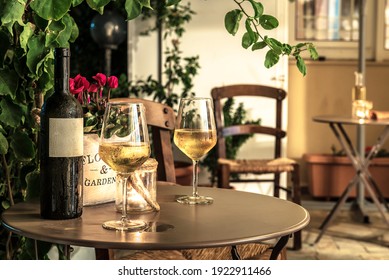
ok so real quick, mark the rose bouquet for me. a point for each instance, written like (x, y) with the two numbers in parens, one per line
(93, 97)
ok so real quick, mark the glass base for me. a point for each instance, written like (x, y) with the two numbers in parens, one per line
(128, 225)
(188, 199)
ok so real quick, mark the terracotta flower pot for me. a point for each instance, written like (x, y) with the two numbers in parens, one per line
(329, 175)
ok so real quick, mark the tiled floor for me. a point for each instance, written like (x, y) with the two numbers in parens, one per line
(346, 238)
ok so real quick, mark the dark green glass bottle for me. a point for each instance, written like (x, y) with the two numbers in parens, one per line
(61, 147)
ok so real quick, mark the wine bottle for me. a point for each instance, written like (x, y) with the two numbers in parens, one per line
(61, 147)
(359, 89)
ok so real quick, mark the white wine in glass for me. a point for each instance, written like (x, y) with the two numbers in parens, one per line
(195, 136)
(124, 146)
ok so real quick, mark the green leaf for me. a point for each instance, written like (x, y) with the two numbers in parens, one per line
(51, 9)
(26, 34)
(46, 80)
(5, 204)
(259, 45)
(145, 3)
(3, 144)
(41, 23)
(8, 82)
(90, 122)
(300, 45)
(52, 33)
(301, 65)
(2, 130)
(5, 44)
(12, 12)
(268, 22)
(271, 59)
(312, 51)
(33, 185)
(172, 2)
(22, 146)
(232, 20)
(11, 114)
(258, 8)
(250, 30)
(275, 45)
(76, 2)
(59, 32)
(133, 9)
(75, 31)
(287, 49)
(98, 5)
(246, 40)
(36, 54)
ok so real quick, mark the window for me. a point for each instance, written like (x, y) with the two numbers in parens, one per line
(333, 26)
(323, 20)
(387, 25)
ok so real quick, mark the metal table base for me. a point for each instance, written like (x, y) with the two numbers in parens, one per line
(362, 175)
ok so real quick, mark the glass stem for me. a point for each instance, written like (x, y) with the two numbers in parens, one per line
(195, 177)
(123, 181)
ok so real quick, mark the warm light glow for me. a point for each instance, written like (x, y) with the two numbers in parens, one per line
(138, 237)
(361, 109)
(135, 200)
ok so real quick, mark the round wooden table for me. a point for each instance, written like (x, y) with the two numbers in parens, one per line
(234, 218)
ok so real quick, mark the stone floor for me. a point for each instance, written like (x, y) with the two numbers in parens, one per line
(346, 238)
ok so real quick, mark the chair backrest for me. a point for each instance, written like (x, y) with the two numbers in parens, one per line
(232, 91)
(161, 119)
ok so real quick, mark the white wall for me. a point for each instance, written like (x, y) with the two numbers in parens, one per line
(223, 61)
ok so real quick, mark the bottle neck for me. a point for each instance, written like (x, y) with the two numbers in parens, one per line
(61, 74)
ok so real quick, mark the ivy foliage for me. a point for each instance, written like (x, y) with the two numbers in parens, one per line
(29, 32)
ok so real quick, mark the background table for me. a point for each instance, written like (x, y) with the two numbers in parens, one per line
(234, 218)
(362, 178)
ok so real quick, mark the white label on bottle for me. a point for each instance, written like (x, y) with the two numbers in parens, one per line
(66, 137)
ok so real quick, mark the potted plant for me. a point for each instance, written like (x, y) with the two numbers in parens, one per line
(329, 174)
(99, 183)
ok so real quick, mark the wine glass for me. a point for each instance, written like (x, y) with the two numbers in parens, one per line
(195, 136)
(124, 146)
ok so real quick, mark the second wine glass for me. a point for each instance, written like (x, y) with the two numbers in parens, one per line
(195, 136)
(124, 146)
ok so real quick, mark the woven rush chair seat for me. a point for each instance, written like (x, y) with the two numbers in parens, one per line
(259, 166)
(254, 251)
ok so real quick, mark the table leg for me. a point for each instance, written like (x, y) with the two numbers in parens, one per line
(358, 163)
(362, 176)
(361, 164)
(234, 253)
(67, 251)
(278, 247)
(36, 249)
(360, 191)
(375, 199)
(335, 209)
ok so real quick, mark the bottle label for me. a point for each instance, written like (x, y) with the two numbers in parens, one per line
(66, 137)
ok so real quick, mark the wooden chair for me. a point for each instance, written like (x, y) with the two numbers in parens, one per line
(275, 165)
